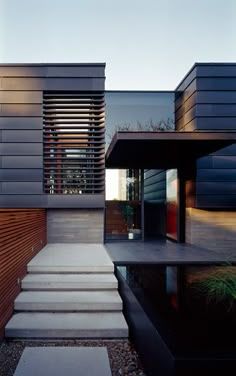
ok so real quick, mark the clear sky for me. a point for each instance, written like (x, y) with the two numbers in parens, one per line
(146, 44)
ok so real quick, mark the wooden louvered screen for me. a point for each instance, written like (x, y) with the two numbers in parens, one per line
(22, 235)
(73, 143)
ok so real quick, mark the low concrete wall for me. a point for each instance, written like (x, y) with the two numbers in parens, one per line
(215, 230)
(75, 225)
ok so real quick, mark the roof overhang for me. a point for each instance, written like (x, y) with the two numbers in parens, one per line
(163, 149)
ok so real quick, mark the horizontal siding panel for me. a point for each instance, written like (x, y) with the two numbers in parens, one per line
(21, 174)
(216, 83)
(24, 83)
(215, 123)
(22, 161)
(228, 150)
(21, 123)
(22, 235)
(22, 136)
(79, 84)
(23, 71)
(21, 201)
(21, 110)
(205, 162)
(207, 188)
(150, 173)
(224, 161)
(216, 175)
(24, 97)
(216, 201)
(21, 149)
(155, 185)
(67, 70)
(216, 97)
(22, 187)
(221, 70)
(216, 110)
(187, 80)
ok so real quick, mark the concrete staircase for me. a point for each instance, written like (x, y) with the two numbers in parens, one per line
(68, 297)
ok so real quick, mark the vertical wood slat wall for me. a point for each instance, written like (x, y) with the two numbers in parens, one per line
(22, 236)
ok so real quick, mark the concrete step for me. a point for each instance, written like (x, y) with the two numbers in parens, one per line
(68, 301)
(67, 325)
(65, 282)
(71, 258)
(66, 269)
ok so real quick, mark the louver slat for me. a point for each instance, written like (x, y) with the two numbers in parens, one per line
(73, 143)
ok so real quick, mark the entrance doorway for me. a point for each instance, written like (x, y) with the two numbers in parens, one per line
(123, 220)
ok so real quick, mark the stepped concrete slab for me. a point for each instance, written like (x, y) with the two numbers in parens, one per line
(72, 258)
(61, 361)
(67, 325)
(65, 282)
(68, 301)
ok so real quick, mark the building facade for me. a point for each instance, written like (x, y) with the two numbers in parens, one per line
(57, 124)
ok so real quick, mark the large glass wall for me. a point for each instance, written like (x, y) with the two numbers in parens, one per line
(138, 111)
(172, 204)
(131, 111)
(123, 204)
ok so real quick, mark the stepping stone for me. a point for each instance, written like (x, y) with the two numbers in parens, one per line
(61, 361)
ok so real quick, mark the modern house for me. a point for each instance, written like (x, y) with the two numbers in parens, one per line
(170, 158)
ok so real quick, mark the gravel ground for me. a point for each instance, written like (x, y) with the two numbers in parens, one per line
(124, 360)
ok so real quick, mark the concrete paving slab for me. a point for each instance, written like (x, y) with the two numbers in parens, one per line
(71, 258)
(69, 282)
(67, 325)
(68, 301)
(61, 361)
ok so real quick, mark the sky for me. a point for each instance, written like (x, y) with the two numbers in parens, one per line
(146, 44)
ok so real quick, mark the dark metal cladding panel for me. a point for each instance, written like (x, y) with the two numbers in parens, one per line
(187, 80)
(216, 83)
(22, 162)
(21, 129)
(27, 187)
(215, 110)
(22, 71)
(22, 136)
(23, 83)
(215, 123)
(23, 201)
(226, 110)
(21, 110)
(21, 149)
(24, 97)
(79, 84)
(212, 97)
(76, 71)
(216, 70)
(215, 175)
(228, 150)
(224, 201)
(21, 123)
(21, 174)
(206, 188)
(155, 185)
(224, 161)
(205, 162)
(52, 70)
